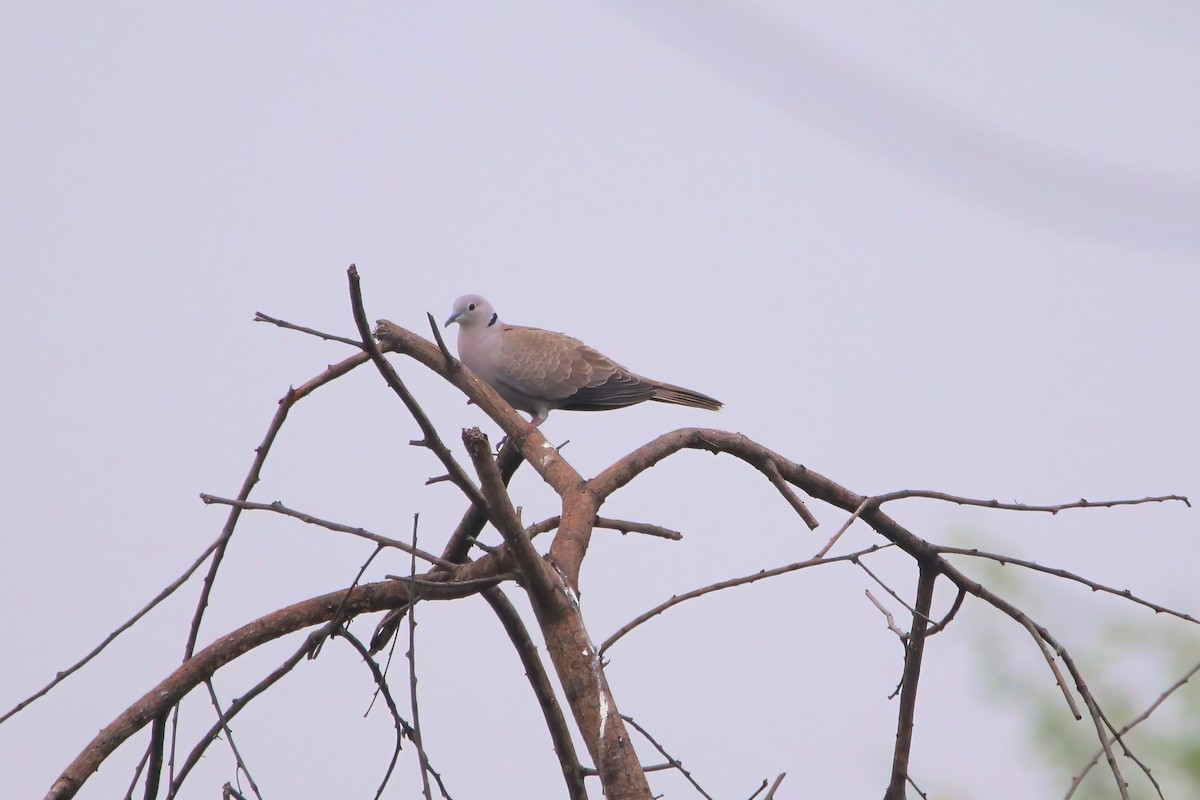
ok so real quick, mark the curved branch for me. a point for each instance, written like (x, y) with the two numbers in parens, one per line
(202, 665)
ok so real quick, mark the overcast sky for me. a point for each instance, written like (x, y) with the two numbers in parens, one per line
(931, 245)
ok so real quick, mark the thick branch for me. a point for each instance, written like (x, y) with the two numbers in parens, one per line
(202, 665)
(502, 514)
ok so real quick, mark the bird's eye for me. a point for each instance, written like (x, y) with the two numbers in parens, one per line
(471, 307)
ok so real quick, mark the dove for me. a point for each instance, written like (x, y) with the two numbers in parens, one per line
(539, 371)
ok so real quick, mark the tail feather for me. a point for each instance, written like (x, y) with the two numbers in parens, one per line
(667, 393)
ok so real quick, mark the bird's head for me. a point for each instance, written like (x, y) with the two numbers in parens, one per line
(471, 311)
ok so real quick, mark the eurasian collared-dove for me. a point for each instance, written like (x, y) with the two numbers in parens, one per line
(537, 371)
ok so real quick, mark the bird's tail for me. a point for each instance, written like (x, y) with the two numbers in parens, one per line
(667, 393)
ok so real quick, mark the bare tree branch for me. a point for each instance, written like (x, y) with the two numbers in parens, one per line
(432, 440)
(279, 508)
(237, 755)
(672, 762)
(412, 667)
(502, 514)
(167, 591)
(552, 583)
(621, 525)
(535, 671)
(1139, 719)
(915, 651)
(1071, 576)
(329, 337)
(880, 499)
(317, 610)
(728, 584)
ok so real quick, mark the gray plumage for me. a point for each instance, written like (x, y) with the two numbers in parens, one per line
(538, 371)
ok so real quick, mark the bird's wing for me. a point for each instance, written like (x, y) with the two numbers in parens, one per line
(565, 372)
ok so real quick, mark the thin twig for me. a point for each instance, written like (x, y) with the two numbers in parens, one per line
(431, 439)
(1071, 576)
(167, 591)
(412, 668)
(620, 525)
(727, 584)
(913, 784)
(279, 508)
(759, 790)
(880, 499)
(1139, 719)
(451, 362)
(845, 527)
(887, 615)
(261, 317)
(381, 688)
(338, 620)
(237, 756)
(1099, 719)
(402, 727)
(290, 398)
(954, 607)
(887, 588)
(672, 762)
(137, 772)
(237, 705)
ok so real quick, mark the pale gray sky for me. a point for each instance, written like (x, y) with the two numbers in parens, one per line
(910, 245)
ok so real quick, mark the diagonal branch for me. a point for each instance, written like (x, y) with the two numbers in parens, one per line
(293, 396)
(1139, 719)
(1071, 576)
(793, 499)
(502, 514)
(432, 440)
(124, 626)
(535, 671)
(329, 337)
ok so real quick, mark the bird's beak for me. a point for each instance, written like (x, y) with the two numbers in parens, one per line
(453, 318)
